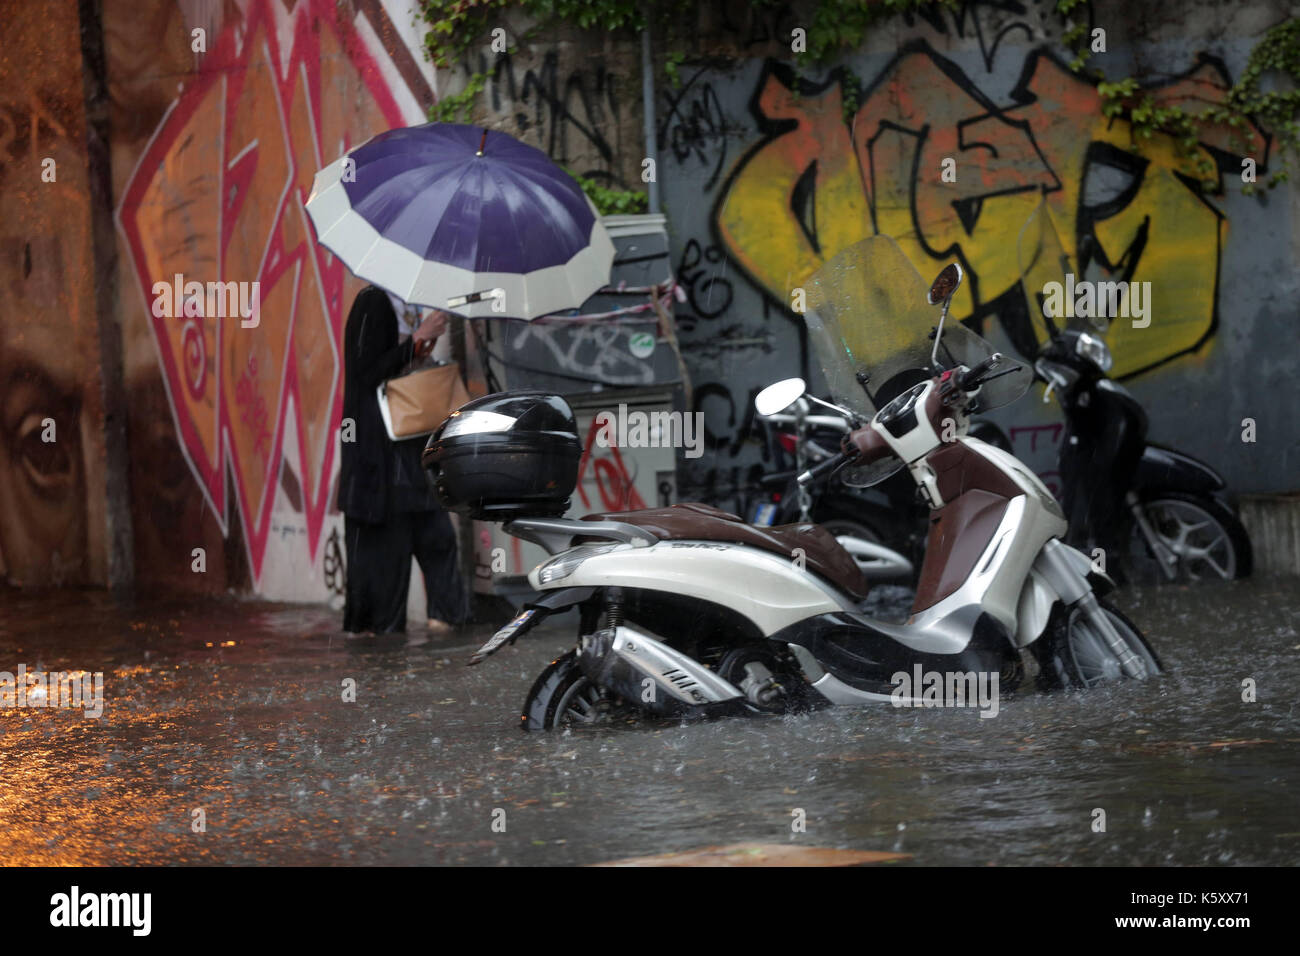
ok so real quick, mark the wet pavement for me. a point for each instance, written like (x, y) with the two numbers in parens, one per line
(236, 709)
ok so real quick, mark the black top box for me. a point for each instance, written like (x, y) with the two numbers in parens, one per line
(506, 456)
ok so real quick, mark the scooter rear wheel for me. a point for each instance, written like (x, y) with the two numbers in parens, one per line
(563, 696)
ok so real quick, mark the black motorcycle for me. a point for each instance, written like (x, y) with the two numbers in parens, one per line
(1155, 513)
(1161, 511)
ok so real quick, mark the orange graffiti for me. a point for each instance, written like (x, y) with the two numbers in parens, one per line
(218, 196)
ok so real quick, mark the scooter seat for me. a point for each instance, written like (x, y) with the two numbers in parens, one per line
(823, 555)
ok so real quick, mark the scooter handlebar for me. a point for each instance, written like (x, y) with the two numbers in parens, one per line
(970, 379)
(817, 471)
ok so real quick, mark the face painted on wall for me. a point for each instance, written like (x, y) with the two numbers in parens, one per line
(49, 368)
(43, 508)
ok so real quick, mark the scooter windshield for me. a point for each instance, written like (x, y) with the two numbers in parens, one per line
(867, 312)
(1044, 263)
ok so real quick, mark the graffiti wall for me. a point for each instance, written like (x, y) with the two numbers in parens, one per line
(574, 95)
(948, 141)
(945, 132)
(222, 116)
(52, 496)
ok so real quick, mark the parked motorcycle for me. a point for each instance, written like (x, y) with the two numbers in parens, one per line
(1161, 512)
(688, 611)
(892, 514)
(860, 523)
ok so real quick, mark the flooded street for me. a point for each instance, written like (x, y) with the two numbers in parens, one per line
(236, 709)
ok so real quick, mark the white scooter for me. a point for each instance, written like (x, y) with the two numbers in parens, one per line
(687, 611)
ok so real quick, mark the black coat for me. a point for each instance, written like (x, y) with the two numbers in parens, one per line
(371, 355)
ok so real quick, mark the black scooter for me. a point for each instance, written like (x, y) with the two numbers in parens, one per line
(1160, 511)
(1155, 513)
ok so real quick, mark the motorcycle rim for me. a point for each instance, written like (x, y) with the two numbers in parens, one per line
(1087, 659)
(853, 529)
(1203, 541)
(563, 696)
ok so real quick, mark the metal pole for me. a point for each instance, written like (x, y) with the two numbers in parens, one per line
(115, 474)
(648, 105)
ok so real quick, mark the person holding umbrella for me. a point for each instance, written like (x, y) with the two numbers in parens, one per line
(444, 212)
(389, 510)
(441, 215)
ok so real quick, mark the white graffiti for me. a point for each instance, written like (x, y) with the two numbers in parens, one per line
(600, 352)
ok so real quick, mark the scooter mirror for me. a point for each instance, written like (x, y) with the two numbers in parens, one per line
(945, 284)
(779, 396)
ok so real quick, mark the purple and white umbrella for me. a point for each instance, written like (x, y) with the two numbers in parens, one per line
(441, 212)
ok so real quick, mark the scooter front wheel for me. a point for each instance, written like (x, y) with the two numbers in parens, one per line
(1075, 653)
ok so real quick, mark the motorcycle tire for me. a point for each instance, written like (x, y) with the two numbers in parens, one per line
(563, 696)
(1238, 555)
(1072, 655)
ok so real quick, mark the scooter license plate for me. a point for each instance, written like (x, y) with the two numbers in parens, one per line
(764, 514)
(503, 635)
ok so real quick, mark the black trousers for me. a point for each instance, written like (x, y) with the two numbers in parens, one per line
(379, 571)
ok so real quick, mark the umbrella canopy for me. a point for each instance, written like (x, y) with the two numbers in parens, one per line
(437, 212)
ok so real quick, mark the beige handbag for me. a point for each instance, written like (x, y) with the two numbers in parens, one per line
(416, 403)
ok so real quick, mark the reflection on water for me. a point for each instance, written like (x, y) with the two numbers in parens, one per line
(236, 710)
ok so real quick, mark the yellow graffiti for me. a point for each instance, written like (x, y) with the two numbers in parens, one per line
(820, 185)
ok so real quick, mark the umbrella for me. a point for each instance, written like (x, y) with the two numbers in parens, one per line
(443, 213)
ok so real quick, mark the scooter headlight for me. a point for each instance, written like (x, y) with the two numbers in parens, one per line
(1093, 349)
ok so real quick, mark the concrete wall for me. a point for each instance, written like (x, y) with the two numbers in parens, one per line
(218, 116)
(214, 152)
(762, 180)
(573, 93)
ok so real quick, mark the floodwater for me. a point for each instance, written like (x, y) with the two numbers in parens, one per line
(225, 738)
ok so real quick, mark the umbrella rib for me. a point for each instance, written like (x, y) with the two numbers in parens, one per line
(456, 191)
(532, 193)
(422, 245)
(518, 234)
(529, 190)
(432, 169)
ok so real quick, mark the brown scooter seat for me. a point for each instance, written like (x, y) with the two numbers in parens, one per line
(823, 555)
